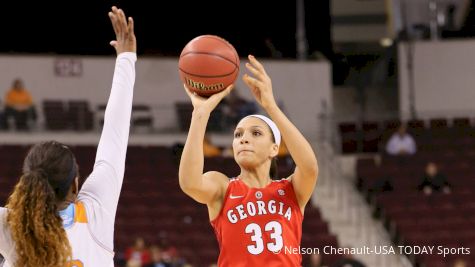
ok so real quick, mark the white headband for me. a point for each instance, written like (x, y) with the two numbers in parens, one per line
(272, 126)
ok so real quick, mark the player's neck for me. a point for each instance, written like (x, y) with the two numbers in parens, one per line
(255, 179)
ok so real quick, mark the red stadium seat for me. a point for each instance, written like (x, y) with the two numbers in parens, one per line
(350, 138)
(371, 136)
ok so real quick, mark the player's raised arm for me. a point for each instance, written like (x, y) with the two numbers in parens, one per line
(204, 188)
(305, 176)
(47, 223)
(105, 182)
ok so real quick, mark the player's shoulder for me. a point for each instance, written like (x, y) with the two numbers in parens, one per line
(216, 176)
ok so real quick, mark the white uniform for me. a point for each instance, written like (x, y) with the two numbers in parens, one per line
(92, 231)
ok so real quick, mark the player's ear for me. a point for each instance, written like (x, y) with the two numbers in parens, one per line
(274, 150)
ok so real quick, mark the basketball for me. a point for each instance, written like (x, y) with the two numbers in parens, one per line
(208, 64)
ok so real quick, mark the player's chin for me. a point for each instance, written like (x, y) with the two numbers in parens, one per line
(245, 161)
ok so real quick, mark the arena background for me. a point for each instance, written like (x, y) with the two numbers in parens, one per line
(346, 72)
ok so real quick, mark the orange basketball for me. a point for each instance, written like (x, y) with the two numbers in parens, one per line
(208, 64)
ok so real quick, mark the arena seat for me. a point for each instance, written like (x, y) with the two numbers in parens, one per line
(349, 137)
(56, 114)
(81, 118)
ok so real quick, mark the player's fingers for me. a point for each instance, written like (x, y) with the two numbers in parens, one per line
(252, 82)
(131, 26)
(120, 23)
(113, 19)
(122, 20)
(257, 64)
(118, 27)
(216, 98)
(224, 93)
(254, 71)
(114, 10)
(191, 94)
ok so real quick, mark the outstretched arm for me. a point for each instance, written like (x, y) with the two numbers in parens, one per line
(207, 187)
(102, 188)
(305, 175)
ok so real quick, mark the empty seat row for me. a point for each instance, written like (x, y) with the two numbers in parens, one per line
(370, 136)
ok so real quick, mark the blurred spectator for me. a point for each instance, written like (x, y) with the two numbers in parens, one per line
(209, 149)
(384, 183)
(19, 105)
(228, 152)
(315, 260)
(236, 107)
(283, 152)
(138, 253)
(433, 180)
(348, 260)
(460, 263)
(401, 143)
(169, 254)
(133, 263)
(157, 260)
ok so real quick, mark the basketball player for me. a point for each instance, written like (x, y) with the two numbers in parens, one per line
(48, 222)
(254, 217)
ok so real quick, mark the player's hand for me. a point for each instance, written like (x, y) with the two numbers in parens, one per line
(207, 104)
(124, 32)
(260, 83)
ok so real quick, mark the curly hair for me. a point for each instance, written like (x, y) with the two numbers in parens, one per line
(36, 227)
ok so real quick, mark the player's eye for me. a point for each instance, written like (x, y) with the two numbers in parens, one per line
(256, 133)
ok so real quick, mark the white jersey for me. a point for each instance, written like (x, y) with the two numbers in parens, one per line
(92, 230)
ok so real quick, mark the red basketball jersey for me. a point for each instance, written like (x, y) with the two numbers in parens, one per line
(256, 225)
